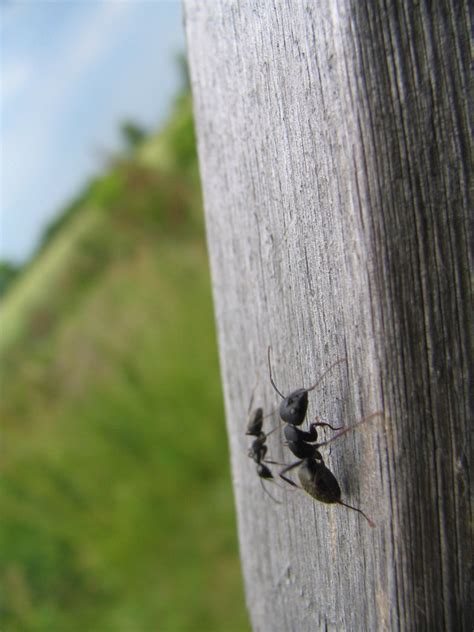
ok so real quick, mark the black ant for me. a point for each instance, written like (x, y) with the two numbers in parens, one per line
(258, 449)
(293, 412)
(315, 478)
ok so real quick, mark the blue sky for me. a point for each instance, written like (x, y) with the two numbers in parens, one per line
(70, 72)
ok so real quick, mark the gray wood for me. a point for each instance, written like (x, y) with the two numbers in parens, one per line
(335, 159)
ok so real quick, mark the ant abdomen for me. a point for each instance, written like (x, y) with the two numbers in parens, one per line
(318, 481)
(263, 471)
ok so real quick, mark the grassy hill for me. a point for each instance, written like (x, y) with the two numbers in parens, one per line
(116, 506)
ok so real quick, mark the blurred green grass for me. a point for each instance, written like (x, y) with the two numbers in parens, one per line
(115, 499)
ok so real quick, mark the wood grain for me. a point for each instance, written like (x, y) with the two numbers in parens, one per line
(336, 168)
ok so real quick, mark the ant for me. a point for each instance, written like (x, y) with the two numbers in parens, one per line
(258, 449)
(315, 478)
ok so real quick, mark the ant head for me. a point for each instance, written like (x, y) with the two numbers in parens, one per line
(293, 408)
(254, 426)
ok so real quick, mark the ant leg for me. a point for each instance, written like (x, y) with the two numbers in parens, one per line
(290, 482)
(372, 524)
(324, 424)
(343, 432)
(285, 489)
(268, 493)
(311, 435)
(287, 469)
(291, 466)
(283, 477)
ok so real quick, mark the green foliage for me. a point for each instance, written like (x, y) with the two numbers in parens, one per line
(116, 504)
(8, 272)
(132, 134)
(65, 216)
(182, 64)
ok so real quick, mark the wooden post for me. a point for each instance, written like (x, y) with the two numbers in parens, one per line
(336, 167)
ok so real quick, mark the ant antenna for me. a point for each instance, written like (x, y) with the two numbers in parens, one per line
(271, 377)
(272, 430)
(372, 524)
(270, 414)
(311, 388)
(253, 394)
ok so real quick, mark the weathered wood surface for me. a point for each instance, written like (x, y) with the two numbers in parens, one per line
(335, 160)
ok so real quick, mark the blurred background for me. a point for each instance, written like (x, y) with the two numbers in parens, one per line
(116, 509)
